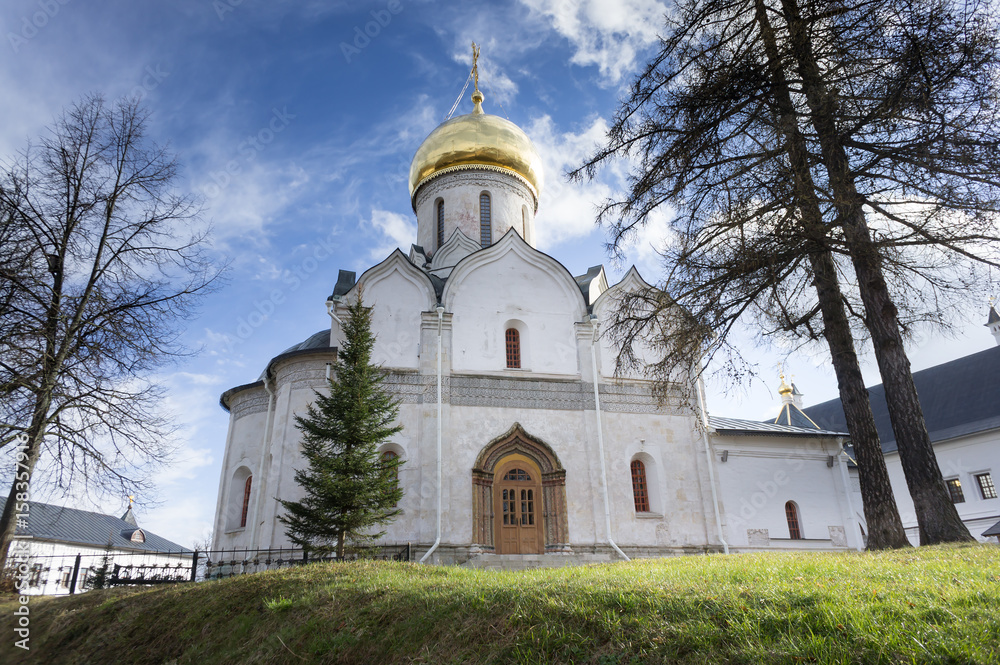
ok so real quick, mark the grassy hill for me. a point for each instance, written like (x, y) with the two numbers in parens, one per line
(932, 605)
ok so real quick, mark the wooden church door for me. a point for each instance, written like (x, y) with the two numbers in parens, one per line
(518, 507)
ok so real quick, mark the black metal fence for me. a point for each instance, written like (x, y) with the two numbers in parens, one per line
(54, 574)
(215, 564)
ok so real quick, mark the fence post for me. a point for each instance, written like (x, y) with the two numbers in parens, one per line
(194, 566)
(76, 571)
(305, 555)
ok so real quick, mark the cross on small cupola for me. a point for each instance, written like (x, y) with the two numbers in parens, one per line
(993, 321)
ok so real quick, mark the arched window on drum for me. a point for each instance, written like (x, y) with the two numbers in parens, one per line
(485, 220)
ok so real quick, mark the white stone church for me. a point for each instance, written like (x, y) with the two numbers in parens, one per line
(518, 438)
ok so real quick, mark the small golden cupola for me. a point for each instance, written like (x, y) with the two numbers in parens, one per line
(785, 390)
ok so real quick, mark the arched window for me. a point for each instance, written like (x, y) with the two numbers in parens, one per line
(792, 515)
(513, 339)
(246, 501)
(440, 223)
(485, 221)
(388, 456)
(640, 490)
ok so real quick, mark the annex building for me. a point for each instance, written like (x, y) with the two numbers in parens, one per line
(961, 408)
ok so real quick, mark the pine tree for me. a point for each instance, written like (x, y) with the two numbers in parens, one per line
(100, 577)
(349, 487)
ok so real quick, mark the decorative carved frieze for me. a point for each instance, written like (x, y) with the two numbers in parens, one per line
(520, 393)
(493, 391)
(634, 398)
(481, 176)
(247, 402)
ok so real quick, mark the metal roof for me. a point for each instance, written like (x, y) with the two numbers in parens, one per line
(993, 530)
(756, 428)
(345, 282)
(83, 527)
(958, 398)
(791, 414)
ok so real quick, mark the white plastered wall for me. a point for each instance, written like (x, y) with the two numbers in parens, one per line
(761, 474)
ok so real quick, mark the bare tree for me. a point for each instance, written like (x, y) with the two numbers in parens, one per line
(99, 267)
(916, 129)
(723, 132)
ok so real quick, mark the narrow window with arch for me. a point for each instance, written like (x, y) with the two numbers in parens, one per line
(388, 456)
(513, 339)
(792, 515)
(246, 501)
(485, 221)
(440, 223)
(640, 490)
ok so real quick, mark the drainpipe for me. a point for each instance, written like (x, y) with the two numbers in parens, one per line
(265, 440)
(437, 539)
(332, 311)
(711, 464)
(847, 493)
(600, 439)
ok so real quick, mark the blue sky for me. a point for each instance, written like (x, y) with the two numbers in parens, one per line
(297, 129)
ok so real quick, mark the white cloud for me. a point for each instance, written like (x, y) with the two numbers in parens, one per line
(394, 231)
(567, 210)
(184, 520)
(496, 86)
(606, 33)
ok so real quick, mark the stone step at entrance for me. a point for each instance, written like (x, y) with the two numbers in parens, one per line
(529, 561)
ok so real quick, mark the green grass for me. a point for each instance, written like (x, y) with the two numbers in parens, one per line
(932, 605)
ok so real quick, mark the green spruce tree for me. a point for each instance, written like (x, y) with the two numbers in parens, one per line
(349, 487)
(100, 577)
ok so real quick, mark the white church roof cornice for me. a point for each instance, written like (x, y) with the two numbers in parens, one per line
(399, 263)
(513, 242)
(631, 282)
(454, 250)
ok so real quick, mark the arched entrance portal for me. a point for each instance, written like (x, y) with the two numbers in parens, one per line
(519, 497)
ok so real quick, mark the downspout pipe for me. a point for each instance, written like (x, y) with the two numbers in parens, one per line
(265, 440)
(600, 438)
(847, 493)
(711, 464)
(331, 309)
(437, 538)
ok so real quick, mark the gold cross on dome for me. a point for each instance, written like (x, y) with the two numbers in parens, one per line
(475, 65)
(131, 498)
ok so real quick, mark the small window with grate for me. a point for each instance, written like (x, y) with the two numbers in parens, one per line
(640, 490)
(440, 223)
(517, 474)
(246, 501)
(485, 221)
(986, 487)
(955, 490)
(513, 339)
(792, 516)
(388, 456)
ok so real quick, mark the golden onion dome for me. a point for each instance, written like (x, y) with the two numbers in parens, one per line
(477, 140)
